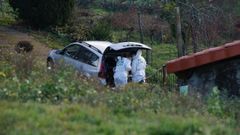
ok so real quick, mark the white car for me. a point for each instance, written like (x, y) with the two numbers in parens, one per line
(93, 58)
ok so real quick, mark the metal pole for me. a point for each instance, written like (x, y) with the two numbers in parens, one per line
(141, 34)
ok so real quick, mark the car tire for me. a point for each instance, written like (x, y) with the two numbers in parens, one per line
(50, 64)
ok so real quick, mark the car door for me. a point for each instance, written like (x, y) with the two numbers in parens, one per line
(89, 60)
(70, 55)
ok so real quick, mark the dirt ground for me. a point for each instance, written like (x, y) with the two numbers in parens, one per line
(9, 37)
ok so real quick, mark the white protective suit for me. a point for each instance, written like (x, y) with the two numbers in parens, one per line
(138, 67)
(123, 66)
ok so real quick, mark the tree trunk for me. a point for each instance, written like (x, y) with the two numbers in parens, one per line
(194, 41)
(180, 46)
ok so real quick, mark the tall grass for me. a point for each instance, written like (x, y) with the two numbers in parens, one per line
(32, 118)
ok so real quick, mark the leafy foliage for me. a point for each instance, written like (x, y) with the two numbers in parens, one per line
(41, 13)
(214, 105)
(7, 14)
(78, 31)
(101, 31)
(74, 31)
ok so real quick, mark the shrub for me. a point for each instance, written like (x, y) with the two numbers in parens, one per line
(214, 104)
(83, 25)
(84, 3)
(23, 46)
(74, 31)
(153, 75)
(7, 15)
(42, 13)
(101, 31)
(78, 27)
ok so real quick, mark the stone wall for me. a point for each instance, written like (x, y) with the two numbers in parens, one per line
(223, 74)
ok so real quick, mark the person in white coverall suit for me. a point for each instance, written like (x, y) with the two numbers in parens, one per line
(138, 68)
(123, 66)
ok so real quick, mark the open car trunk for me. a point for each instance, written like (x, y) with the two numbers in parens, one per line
(112, 52)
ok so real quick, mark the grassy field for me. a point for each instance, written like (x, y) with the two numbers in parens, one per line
(71, 119)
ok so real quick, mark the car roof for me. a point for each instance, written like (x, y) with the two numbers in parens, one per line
(100, 45)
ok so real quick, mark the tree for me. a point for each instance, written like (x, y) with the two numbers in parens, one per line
(43, 13)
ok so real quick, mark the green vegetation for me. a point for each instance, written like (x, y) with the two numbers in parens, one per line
(163, 53)
(41, 14)
(7, 15)
(99, 11)
(52, 40)
(32, 118)
(101, 31)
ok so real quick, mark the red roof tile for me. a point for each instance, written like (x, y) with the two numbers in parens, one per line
(204, 57)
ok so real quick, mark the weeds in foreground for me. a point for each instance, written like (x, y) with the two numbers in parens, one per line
(65, 85)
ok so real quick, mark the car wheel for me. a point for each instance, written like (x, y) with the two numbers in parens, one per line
(50, 64)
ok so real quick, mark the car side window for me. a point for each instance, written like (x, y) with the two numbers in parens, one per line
(71, 51)
(88, 57)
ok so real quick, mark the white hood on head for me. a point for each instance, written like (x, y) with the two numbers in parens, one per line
(139, 54)
(118, 57)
